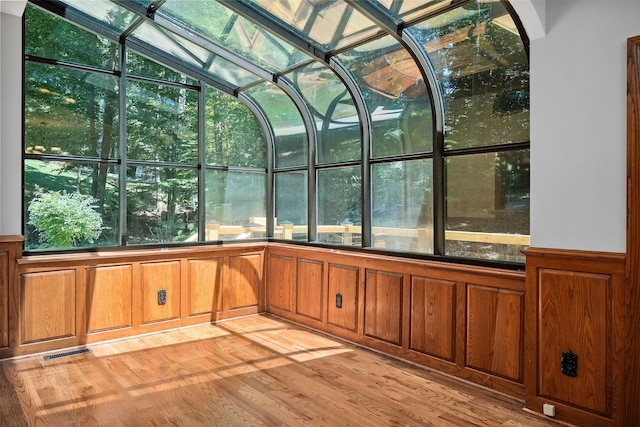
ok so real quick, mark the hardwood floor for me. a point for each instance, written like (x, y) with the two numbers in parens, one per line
(250, 371)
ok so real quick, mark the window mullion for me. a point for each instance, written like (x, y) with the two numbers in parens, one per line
(202, 183)
(122, 136)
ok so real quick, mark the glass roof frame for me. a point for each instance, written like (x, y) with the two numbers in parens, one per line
(384, 19)
(153, 14)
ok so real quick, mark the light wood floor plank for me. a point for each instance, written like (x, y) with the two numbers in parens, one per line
(253, 371)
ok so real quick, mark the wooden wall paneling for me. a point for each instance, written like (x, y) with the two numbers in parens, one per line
(310, 294)
(344, 280)
(109, 294)
(433, 317)
(204, 290)
(362, 286)
(461, 325)
(4, 299)
(98, 288)
(245, 280)
(575, 316)
(383, 306)
(632, 274)
(576, 300)
(156, 277)
(12, 246)
(281, 283)
(405, 326)
(495, 332)
(48, 305)
(137, 295)
(384, 310)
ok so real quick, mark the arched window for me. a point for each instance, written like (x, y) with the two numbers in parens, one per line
(394, 126)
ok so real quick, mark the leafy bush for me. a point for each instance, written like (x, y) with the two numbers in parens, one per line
(63, 219)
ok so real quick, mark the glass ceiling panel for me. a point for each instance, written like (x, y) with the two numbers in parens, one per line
(409, 10)
(193, 54)
(138, 65)
(144, 3)
(106, 12)
(227, 71)
(172, 44)
(236, 33)
(329, 23)
(482, 66)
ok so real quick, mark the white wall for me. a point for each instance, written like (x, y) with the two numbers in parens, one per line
(578, 119)
(578, 122)
(1, 163)
(11, 126)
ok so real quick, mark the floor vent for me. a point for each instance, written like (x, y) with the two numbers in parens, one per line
(67, 353)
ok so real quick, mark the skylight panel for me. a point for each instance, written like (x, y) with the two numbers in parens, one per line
(105, 11)
(234, 32)
(328, 23)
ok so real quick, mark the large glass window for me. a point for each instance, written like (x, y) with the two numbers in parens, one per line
(401, 145)
(161, 204)
(161, 123)
(291, 209)
(488, 205)
(340, 206)
(483, 72)
(291, 158)
(71, 138)
(76, 167)
(399, 126)
(402, 214)
(236, 205)
(70, 203)
(235, 182)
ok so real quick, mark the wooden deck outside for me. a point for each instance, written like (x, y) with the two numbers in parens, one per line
(251, 371)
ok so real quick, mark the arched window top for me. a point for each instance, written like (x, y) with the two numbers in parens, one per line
(406, 122)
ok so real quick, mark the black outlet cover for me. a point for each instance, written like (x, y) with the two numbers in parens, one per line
(162, 296)
(338, 300)
(569, 363)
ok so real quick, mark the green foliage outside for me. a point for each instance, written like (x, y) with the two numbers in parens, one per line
(64, 219)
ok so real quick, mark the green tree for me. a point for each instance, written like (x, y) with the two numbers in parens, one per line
(64, 219)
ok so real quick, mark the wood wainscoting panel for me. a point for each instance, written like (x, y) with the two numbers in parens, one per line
(433, 314)
(157, 277)
(245, 277)
(342, 303)
(309, 292)
(4, 299)
(383, 306)
(48, 305)
(574, 317)
(281, 282)
(109, 294)
(205, 286)
(415, 310)
(61, 300)
(10, 323)
(631, 410)
(495, 326)
(576, 302)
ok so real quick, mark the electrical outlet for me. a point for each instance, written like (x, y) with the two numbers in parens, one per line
(569, 363)
(162, 296)
(338, 300)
